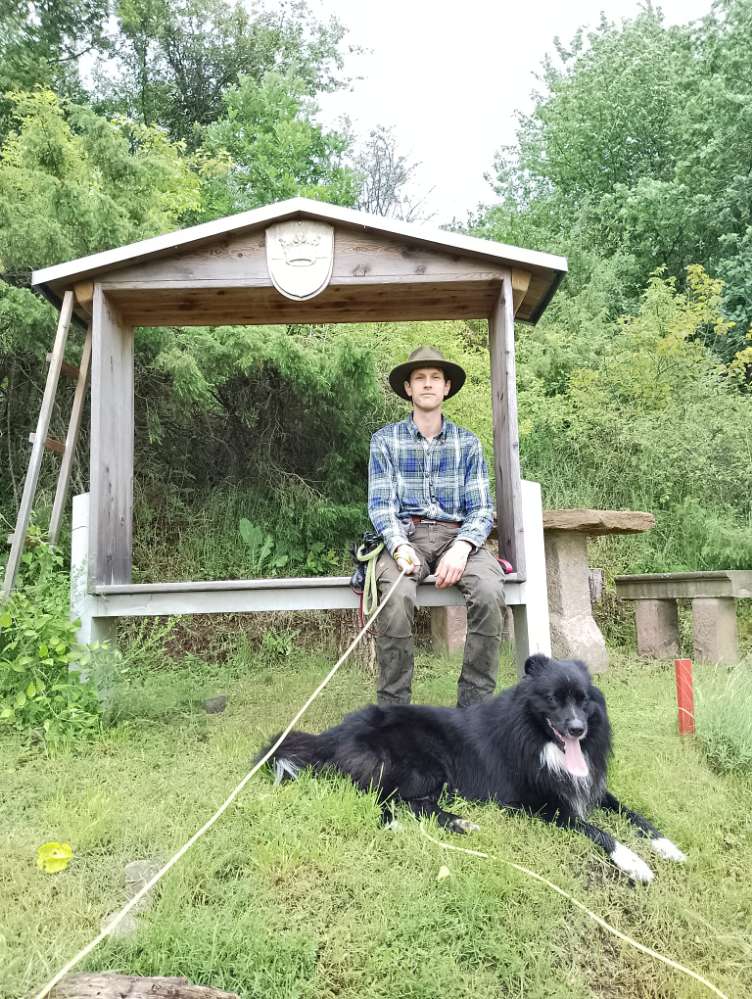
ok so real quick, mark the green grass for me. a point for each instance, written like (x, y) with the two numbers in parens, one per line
(724, 718)
(297, 892)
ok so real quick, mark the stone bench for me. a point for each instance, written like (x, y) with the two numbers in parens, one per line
(574, 632)
(713, 596)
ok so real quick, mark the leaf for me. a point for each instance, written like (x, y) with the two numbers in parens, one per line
(5, 620)
(54, 857)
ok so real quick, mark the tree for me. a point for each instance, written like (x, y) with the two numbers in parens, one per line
(176, 58)
(42, 42)
(266, 147)
(386, 176)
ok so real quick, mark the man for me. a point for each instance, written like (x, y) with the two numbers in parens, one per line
(428, 498)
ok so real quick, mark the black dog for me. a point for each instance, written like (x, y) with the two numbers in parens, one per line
(541, 746)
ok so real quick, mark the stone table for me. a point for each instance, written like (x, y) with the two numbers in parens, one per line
(574, 633)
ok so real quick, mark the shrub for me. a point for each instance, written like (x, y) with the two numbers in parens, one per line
(38, 692)
(724, 722)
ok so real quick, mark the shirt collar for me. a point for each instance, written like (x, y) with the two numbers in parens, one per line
(416, 434)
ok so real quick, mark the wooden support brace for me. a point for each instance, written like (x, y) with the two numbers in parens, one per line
(49, 444)
(69, 371)
(520, 285)
(37, 450)
(84, 292)
(63, 479)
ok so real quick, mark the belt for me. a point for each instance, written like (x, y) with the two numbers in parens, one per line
(441, 523)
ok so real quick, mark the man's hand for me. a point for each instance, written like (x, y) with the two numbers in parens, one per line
(407, 558)
(452, 564)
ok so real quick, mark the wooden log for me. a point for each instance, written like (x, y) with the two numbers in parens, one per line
(107, 985)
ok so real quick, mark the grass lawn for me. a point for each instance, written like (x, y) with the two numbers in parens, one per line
(298, 892)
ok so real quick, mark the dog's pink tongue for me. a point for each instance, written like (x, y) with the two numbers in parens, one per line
(573, 758)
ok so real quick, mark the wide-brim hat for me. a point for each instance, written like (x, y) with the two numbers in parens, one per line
(426, 357)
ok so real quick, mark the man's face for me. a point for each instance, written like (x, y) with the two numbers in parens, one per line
(428, 387)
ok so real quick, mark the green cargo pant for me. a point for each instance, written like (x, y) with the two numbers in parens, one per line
(482, 586)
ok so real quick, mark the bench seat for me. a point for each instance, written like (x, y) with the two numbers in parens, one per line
(242, 595)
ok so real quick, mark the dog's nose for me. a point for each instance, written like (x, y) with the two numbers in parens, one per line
(575, 728)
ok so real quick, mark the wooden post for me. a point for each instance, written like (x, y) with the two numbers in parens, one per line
(532, 629)
(111, 474)
(506, 434)
(71, 440)
(37, 450)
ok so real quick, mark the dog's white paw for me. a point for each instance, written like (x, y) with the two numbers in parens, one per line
(628, 861)
(394, 824)
(668, 850)
(463, 826)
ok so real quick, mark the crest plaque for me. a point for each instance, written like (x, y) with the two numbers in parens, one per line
(300, 257)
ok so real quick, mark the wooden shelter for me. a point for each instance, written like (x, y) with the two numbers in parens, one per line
(295, 261)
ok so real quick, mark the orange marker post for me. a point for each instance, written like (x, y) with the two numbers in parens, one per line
(685, 696)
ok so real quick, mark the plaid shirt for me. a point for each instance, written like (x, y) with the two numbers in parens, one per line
(442, 479)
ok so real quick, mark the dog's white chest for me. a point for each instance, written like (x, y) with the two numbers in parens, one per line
(577, 789)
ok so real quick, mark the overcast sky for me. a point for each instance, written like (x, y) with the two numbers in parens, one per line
(450, 76)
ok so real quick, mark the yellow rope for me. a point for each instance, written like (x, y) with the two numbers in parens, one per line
(596, 918)
(119, 916)
(370, 589)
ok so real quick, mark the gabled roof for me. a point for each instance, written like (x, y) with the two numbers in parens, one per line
(547, 269)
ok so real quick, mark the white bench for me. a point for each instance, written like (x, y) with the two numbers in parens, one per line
(99, 608)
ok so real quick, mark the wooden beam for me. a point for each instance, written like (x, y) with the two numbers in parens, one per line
(84, 292)
(111, 460)
(506, 433)
(37, 450)
(520, 285)
(71, 440)
(49, 444)
(69, 371)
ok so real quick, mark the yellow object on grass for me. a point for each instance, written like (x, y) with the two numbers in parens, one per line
(54, 857)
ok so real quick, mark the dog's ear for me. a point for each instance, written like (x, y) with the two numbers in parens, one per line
(534, 664)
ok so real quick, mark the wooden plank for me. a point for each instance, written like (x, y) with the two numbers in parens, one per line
(50, 444)
(506, 433)
(145, 600)
(111, 471)
(37, 450)
(520, 285)
(71, 440)
(69, 371)
(281, 583)
(207, 232)
(359, 258)
(338, 303)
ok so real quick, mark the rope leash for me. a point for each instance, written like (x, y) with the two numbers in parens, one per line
(119, 916)
(370, 598)
(588, 912)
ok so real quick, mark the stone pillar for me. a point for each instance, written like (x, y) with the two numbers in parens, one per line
(714, 626)
(574, 633)
(448, 628)
(657, 628)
